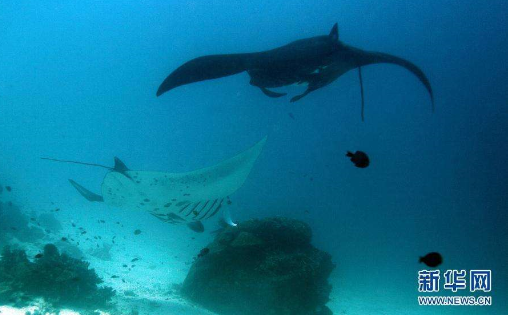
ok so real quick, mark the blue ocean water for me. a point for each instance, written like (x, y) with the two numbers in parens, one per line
(78, 81)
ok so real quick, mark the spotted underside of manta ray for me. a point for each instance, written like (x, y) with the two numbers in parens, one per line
(316, 61)
(175, 197)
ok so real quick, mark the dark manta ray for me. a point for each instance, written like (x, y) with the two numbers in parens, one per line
(316, 61)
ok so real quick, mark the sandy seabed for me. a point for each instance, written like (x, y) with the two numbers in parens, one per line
(146, 269)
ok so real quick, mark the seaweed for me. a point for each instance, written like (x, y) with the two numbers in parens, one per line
(58, 279)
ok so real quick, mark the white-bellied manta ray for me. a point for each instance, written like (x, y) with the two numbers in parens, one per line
(188, 197)
(316, 61)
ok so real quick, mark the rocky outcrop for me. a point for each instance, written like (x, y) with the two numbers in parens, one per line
(261, 267)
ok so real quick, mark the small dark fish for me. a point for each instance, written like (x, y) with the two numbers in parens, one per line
(83, 233)
(135, 259)
(137, 232)
(432, 259)
(359, 158)
(64, 239)
(57, 209)
(32, 219)
(38, 256)
(291, 116)
(114, 277)
(125, 266)
(73, 225)
(203, 252)
(8, 188)
(102, 221)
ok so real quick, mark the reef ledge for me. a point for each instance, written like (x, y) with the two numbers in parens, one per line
(261, 267)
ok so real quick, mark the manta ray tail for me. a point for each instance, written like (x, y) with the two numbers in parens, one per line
(119, 167)
(377, 57)
(361, 92)
(76, 162)
(207, 68)
(90, 196)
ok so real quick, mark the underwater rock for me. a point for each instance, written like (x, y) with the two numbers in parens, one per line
(58, 279)
(262, 267)
(245, 239)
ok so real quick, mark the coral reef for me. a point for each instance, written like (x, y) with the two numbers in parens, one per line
(56, 278)
(261, 267)
(14, 223)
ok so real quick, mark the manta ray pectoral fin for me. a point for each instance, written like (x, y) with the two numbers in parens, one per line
(367, 58)
(196, 226)
(269, 93)
(334, 33)
(90, 196)
(207, 68)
